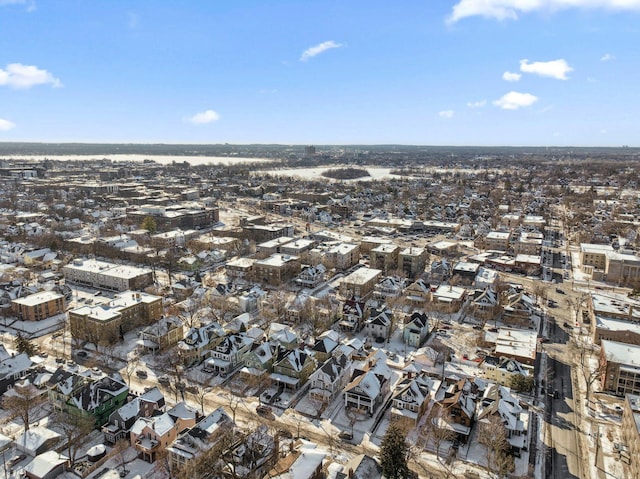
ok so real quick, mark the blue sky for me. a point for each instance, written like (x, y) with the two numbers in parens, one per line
(432, 72)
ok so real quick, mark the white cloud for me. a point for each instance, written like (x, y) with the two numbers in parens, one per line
(6, 125)
(477, 104)
(446, 114)
(17, 75)
(557, 69)
(607, 57)
(318, 49)
(511, 9)
(511, 76)
(515, 100)
(204, 117)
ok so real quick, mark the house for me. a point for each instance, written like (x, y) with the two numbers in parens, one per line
(192, 443)
(13, 367)
(379, 324)
(361, 466)
(484, 304)
(416, 329)
(369, 383)
(449, 299)
(36, 440)
(304, 462)
(151, 435)
(498, 401)
(47, 465)
(311, 276)
(418, 293)
(162, 334)
(410, 399)
(459, 406)
(518, 309)
(389, 287)
(122, 419)
(283, 335)
(502, 370)
(292, 368)
(329, 379)
(196, 345)
(323, 348)
(85, 395)
(226, 355)
(259, 357)
(354, 314)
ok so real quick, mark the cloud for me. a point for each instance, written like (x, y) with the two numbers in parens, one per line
(557, 69)
(318, 49)
(511, 9)
(477, 104)
(607, 57)
(446, 114)
(510, 76)
(17, 75)
(204, 117)
(31, 5)
(515, 100)
(6, 125)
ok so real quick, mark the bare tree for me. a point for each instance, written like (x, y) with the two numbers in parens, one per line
(75, 428)
(21, 400)
(200, 392)
(130, 368)
(493, 436)
(583, 353)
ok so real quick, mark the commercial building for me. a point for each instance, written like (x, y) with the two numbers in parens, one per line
(109, 276)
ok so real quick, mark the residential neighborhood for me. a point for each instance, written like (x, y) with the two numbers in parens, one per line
(236, 320)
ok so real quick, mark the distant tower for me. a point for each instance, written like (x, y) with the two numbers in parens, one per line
(309, 150)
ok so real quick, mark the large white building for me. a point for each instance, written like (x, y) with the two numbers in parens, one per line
(109, 276)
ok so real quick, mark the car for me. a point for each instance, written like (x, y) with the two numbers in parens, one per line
(81, 354)
(142, 374)
(164, 380)
(559, 291)
(345, 436)
(265, 412)
(16, 459)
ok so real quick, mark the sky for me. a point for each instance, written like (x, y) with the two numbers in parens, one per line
(421, 72)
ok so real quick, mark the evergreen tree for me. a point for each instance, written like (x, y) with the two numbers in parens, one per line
(393, 453)
(24, 345)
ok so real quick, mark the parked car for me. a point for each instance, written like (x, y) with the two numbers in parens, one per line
(345, 436)
(265, 412)
(142, 374)
(164, 380)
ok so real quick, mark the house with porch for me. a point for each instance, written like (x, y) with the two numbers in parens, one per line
(122, 419)
(329, 379)
(86, 395)
(416, 329)
(151, 435)
(227, 355)
(292, 368)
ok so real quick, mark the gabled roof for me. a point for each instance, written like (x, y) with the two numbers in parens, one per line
(368, 383)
